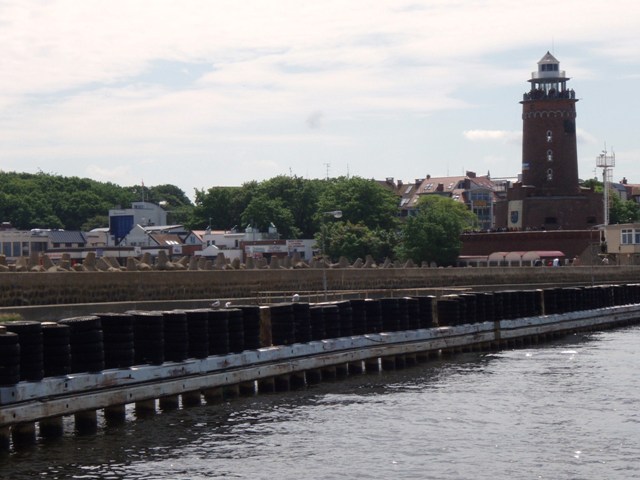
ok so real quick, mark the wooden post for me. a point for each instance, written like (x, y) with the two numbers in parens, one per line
(231, 391)
(213, 395)
(115, 415)
(342, 370)
(356, 367)
(24, 435)
(282, 383)
(388, 363)
(145, 408)
(372, 365)
(313, 376)
(266, 385)
(51, 427)
(191, 399)
(170, 402)
(329, 373)
(247, 389)
(298, 380)
(410, 359)
(86, 422)
(5, 439)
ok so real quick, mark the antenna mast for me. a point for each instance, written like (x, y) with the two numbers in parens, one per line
(606, 162)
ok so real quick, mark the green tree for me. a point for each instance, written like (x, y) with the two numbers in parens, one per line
(220, 207)
(433, 234)
(593, 183)
(623, 211)
(44, 200)
(262, 212)
(297, 195)
(355, 241)
(361, 202)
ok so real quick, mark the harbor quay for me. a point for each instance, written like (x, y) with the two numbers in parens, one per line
(89, 370)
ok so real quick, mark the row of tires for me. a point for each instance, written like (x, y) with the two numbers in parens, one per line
(33, 350)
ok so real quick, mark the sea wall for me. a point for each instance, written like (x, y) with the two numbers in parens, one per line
(54, 288)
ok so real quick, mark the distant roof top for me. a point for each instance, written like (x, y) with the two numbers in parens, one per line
(548, 58)
(65, 236)
(167, 238)
(162, 228)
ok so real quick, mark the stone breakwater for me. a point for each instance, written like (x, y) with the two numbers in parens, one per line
(162, 262)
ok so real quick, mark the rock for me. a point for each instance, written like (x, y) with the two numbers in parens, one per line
(221, 261)
(102, 265)
(132, 264)
(46, 262)
(89, 262)
(274, 264)
(369, 262)
(343, 262)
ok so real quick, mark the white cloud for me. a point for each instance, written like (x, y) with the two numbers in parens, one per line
(78, 78)
(116, 174)
(493, 135)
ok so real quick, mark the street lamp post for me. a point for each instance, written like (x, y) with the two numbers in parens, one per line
(333, 214)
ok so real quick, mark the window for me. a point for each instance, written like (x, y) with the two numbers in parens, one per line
(636, 237)
(626, 236)
(549, 174)
(549, 136)
(549, 67)
(549, 156)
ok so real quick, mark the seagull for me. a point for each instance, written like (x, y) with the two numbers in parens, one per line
(215, 303)
(227, 305)
(295, 298)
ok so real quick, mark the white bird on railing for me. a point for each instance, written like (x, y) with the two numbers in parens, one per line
(215, 303)
(227, 305)
(295, 298)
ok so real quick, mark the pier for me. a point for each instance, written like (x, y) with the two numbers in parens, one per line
(90, 368)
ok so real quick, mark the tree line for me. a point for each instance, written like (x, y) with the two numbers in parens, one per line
(297, 207)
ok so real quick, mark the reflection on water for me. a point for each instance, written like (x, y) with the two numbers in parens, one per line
(561, 410)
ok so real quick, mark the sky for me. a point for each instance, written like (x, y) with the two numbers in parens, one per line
(210, 93)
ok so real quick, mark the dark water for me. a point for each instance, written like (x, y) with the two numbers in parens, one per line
(563, 410)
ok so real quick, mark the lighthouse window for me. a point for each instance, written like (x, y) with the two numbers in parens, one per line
(549, 136)
(549, 174)
(549, 156)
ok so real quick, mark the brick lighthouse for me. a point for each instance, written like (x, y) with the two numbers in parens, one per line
(548, 195)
